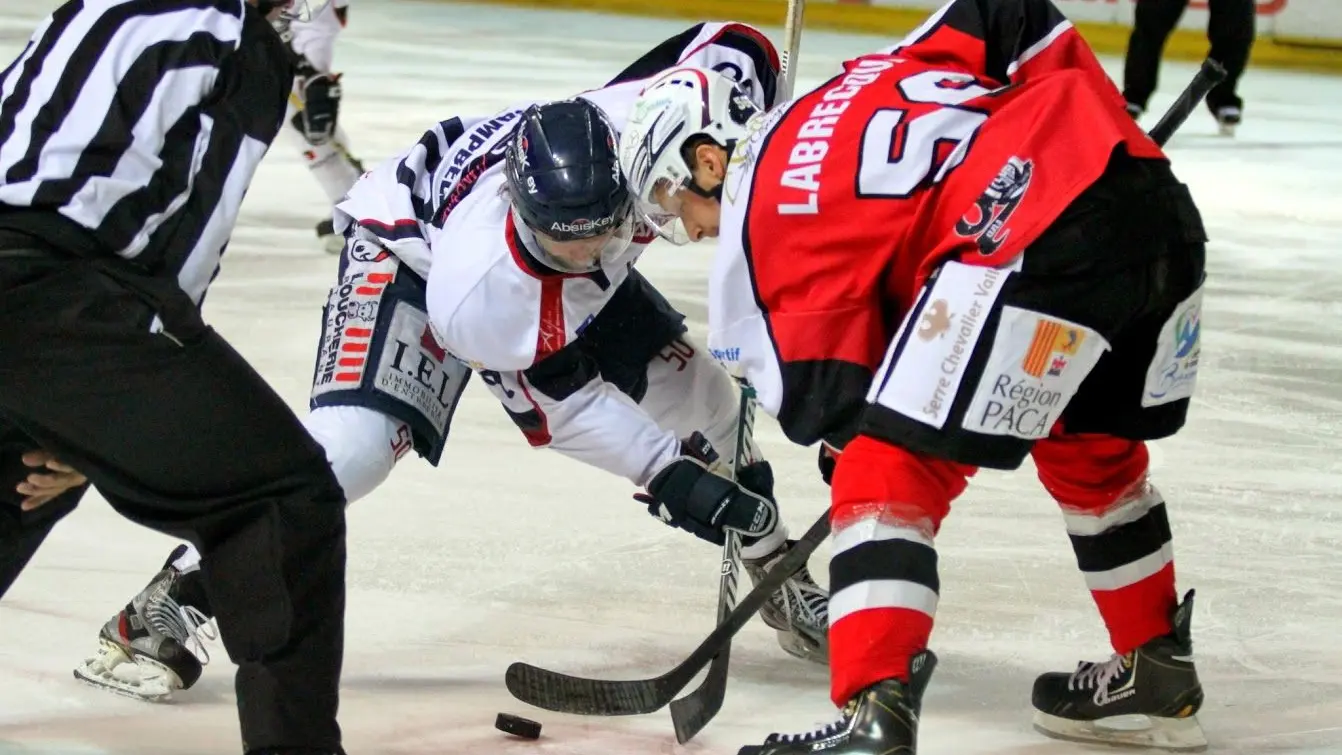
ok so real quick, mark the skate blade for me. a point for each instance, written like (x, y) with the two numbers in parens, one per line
(1174, 734)
(1226, 129)
(801, 646)
(142, 678)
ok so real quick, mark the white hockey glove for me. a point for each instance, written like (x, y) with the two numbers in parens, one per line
(687, 495)
(320, 93)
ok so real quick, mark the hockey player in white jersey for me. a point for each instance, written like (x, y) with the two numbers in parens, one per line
(314, 109)
(506, 246)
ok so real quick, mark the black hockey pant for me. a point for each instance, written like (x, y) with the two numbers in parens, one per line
(180, 435)
(1230, 29)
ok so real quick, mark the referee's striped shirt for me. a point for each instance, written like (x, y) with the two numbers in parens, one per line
(142, 123)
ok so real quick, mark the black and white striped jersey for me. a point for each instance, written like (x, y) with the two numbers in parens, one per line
(133, 127)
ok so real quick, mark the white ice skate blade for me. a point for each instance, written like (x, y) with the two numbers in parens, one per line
(1175, 734)
(142, 678)
(1226, 129)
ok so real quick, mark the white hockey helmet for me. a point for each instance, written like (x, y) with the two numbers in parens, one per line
(674, 108)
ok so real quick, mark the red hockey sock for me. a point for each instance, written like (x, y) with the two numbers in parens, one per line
(887, 506)
(1119, 530)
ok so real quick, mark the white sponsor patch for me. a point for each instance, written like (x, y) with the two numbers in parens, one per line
(927, 371)
(1174, 369)
(351, 317)
(416, 371)
(1036, 366)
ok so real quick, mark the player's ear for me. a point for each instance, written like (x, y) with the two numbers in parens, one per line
(711, 158)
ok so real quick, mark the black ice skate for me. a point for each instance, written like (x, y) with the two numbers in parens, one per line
(881, 720)
(1227, 119)
(331, 241)
(799, 611)
(150, 649)
(1147, 698)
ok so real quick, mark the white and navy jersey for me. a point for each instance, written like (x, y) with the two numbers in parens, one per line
(133, 129)
(314, 39)
(441, 208)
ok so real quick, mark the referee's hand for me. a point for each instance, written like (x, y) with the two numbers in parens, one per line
(54, 479)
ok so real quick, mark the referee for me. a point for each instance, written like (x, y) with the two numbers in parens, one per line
(129, 131)
(1230, 29)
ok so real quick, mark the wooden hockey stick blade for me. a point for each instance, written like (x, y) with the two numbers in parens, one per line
(599, 697)
(691, 713)
(1208, 76)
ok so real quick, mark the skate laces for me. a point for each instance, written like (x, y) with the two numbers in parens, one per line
(1098, 676)
(186, 624)
(805, 601)
(822, 732)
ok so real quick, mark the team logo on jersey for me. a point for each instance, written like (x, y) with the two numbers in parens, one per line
(986, 221)
(363, 251)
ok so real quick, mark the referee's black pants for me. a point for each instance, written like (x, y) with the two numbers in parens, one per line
(179, 434)
(1230, 29)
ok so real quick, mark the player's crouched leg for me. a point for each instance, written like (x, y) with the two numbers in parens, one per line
(380, 375)
(639, 342)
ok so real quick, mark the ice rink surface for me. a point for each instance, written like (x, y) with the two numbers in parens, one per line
(505, 553)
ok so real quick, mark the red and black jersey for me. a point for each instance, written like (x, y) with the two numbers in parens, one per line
(964, 141)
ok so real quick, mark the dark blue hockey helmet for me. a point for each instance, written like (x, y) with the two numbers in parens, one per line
(563, 171)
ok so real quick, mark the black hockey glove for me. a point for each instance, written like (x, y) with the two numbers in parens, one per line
(685, 494)
(321, 106)
(827, 462)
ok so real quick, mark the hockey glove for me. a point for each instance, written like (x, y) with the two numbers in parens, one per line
(321, 108)
(687, 495)
(829, 459)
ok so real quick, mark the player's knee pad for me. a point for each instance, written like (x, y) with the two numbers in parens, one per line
(377, 351)
(876, 479)
(1090, 472)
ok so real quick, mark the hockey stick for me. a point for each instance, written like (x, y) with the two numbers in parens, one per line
(599, 697)
(791, 46)
(1208, 76)
(691, 713)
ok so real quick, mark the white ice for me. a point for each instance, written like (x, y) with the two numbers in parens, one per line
(505, 553)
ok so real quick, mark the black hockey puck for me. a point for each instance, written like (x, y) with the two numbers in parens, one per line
(518, 726)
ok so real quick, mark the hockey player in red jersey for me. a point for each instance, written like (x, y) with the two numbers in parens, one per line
(957, 252)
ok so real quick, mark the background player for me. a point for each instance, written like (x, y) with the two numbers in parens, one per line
(525, 227)
(975, 204)
(314, 110)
